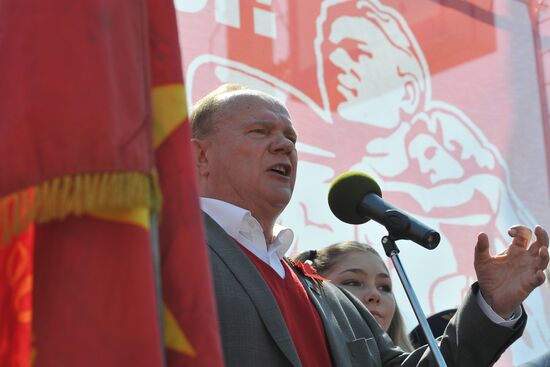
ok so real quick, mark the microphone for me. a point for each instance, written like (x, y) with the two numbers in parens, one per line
(355, 198)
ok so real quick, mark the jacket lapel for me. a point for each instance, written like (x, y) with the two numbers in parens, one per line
(335, 338)
(251, 280)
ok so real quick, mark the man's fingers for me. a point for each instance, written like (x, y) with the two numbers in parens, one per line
(542, 236)
(539, 278)
(481, 252)
(521, 236)
(541, 241)
(544, 257)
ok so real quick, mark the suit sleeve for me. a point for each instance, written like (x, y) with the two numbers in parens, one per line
(470, 339)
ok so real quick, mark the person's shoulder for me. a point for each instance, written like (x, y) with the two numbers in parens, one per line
(336, 296)
(343, 297)
(350, 312)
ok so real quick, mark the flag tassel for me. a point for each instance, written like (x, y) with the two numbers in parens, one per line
(77, 195)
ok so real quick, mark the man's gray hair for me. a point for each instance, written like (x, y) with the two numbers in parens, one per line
(206, 111)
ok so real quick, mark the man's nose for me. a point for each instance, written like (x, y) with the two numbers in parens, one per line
(283, 145)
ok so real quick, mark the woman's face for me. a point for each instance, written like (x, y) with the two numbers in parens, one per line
(365, 275)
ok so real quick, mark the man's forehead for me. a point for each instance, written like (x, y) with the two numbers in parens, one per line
(252, 102)
(271, 118)
(246, 95)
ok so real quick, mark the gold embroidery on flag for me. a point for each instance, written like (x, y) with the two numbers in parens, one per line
(139, 216)
(76, 195)
(169, 110)
(174, 337)
(19, 275)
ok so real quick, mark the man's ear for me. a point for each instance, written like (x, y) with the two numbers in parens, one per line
(200, 156)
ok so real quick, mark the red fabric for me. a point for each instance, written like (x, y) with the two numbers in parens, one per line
(80, 102)
(94, 297)
(186, 280)
(16, 264)
(165, 58)
(301, 317)
(75, 89)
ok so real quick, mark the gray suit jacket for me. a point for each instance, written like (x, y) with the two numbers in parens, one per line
(254, 333)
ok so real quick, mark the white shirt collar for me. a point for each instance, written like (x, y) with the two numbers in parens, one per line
(243, 227)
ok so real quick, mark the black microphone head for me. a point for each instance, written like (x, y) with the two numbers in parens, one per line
(346, 193)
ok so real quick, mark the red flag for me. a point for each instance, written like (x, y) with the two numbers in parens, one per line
(94, 295)
(190, 324)
(191, 333)
(16, 264)
(75, 92)
(78, 130)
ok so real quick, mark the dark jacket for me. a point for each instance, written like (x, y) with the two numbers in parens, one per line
(254, 333)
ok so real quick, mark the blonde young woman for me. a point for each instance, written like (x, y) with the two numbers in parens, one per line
(358, 268)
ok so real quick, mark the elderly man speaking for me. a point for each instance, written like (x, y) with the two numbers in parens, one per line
(273, 312)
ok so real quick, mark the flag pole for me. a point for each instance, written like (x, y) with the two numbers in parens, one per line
(155, 250)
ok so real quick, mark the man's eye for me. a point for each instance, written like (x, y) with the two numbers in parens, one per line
(259, 131)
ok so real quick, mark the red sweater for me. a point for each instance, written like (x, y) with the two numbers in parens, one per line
(301, 317)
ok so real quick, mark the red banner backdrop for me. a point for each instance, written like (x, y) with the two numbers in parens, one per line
(438, 100)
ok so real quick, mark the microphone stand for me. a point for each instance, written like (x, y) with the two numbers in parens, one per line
(390, 247)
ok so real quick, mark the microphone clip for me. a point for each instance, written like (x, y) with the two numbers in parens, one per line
(390, 247)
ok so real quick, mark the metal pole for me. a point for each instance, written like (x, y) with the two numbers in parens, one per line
(155, 250)
(391, 250)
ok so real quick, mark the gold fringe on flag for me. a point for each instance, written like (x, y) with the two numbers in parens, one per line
(77, 195)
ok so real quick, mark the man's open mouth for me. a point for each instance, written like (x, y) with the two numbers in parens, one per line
(281, 169)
